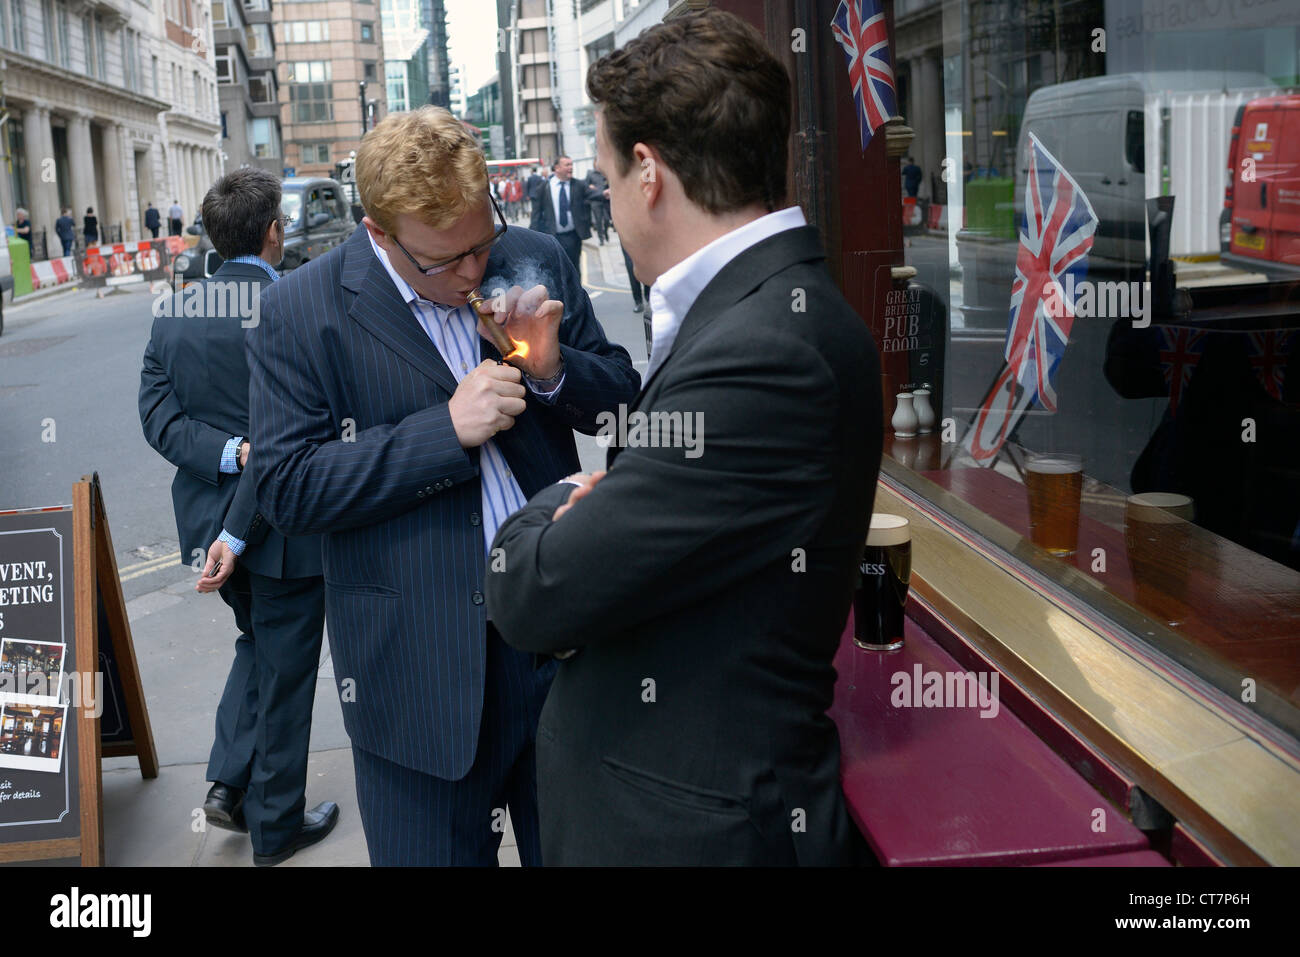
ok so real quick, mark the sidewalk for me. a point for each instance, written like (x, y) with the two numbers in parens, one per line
(185, 644)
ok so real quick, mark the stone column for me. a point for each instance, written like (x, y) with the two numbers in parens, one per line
(114, 180)
(930, 130)
(187, 177)
(42, 197)
(81, 167)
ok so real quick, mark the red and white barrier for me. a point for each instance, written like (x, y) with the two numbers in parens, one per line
(53, 272)
(938, 218)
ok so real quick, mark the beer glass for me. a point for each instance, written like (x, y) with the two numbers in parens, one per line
(882, 593)
(1054, 481)
(1155, 535)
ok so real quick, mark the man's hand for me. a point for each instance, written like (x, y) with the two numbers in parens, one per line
(214, 577)
(486, 402)
(531, 318)
(244, 450)
(586, 482)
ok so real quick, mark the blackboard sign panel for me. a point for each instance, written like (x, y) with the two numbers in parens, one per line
(68, 674)
(38, 731)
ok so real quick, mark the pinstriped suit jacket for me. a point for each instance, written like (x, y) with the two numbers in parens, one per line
(349, 417)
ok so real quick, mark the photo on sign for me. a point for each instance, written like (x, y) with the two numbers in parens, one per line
(31, 736)
(31, 671)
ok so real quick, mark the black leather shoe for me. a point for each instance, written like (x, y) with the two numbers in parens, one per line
(224, 807)
(316, 824)
(637, 307)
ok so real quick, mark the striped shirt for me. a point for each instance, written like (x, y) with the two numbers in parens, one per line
(455, 333)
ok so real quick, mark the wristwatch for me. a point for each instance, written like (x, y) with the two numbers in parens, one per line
(549, 385)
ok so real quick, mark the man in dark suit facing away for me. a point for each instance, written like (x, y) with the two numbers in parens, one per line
(383, 420)
(194, 410)
(560, 208)
(703, 582)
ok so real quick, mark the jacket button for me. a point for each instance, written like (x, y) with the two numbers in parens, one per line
(429, 491)
(477, 598)
(474, 519)
(420, 494)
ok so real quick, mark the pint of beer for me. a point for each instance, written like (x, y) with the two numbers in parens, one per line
(1054, 481)
(886, 573)
(1156, 526)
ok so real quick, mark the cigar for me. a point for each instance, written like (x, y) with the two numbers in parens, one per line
(496, 332)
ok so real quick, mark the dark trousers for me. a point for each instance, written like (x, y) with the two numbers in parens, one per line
(174, 227)
(67, 246)
(640, 291)
(153, 230)
(600, 219)
(413, 818)
(572, 244)
(264, 718)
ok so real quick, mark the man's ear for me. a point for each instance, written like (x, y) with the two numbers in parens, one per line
(377, 234)
(649, 170)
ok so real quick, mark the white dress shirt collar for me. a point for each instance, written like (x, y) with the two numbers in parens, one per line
(677, 288)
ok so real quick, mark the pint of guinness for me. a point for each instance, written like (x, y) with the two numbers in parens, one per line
(886, 572)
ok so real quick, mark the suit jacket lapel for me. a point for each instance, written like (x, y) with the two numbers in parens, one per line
(381, 310)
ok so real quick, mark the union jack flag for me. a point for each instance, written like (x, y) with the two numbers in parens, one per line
(1269, 354)
(859, 28)
(1180, 350)
(1055, 240)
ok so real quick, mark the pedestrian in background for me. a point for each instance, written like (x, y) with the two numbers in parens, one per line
(66, 229)
(90, 227)
(174, 216)
(152, 221)
(597, 187)
(194, 405)
(23, 227)
(911, 176)
(560, 209)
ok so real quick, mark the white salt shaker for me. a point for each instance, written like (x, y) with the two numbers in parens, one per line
(924, 411)
(904, 420)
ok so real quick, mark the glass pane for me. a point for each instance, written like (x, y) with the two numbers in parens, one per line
(1107, 247)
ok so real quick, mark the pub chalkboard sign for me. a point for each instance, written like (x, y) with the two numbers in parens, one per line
(69, 683)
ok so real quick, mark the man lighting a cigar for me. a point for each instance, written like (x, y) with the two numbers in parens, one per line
(703, 595)
(385, 420)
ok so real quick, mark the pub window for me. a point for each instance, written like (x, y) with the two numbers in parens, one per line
(1119, 408)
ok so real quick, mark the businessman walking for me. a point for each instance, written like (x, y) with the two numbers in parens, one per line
(700, 587)
(194, 411)
(382, 419)
(560, 208)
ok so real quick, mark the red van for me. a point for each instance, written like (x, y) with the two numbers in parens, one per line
(1261, 206)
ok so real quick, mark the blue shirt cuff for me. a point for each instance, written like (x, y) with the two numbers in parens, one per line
(547, 397)
(236, 545)
(230, 456)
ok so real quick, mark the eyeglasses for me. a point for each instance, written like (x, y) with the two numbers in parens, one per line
(498, 232)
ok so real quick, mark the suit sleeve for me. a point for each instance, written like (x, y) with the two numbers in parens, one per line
(308, 478)
(598, 374)
(182, 440)
(535, 222)
(667, 527)
(243, 509)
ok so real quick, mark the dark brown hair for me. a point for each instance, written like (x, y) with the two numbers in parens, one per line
(238, 209)
(703, 90)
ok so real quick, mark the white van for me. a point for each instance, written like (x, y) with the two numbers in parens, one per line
(1131, 136)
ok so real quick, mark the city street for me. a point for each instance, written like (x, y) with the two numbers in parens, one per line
(69, 377)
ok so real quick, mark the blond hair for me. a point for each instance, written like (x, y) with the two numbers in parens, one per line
(422, 164)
